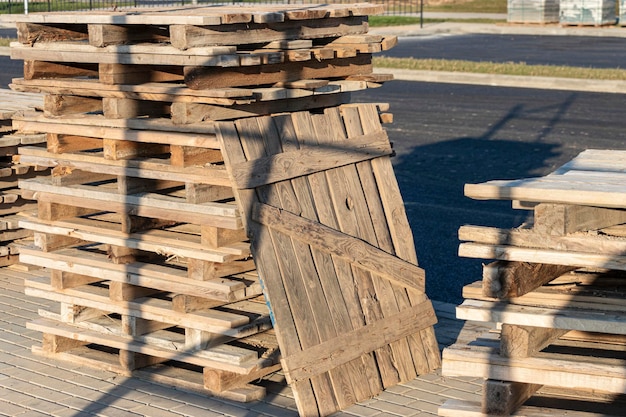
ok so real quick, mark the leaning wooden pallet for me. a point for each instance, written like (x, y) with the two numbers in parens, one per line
(557, 288)
(334, 251)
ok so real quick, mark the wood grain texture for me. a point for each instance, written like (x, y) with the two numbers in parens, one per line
(322, 242)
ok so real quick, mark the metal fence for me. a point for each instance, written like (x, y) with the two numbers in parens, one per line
(394, 7)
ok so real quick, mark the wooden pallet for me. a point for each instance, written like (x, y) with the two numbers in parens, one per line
(188, 27)
(65, 94)
(206, 377)
(331, 239)
(556, 288)
(569, 229)
(294, 45)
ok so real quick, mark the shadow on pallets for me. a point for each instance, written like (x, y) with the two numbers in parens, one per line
(556, 286)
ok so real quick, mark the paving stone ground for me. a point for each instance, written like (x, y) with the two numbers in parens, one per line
(33, 386)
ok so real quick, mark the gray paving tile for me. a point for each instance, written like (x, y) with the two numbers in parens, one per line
(361, 411)
(146, 410)
(193, 411)
(10, 409)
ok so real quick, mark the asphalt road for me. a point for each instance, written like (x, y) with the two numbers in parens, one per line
(447, 135)
(594, 52)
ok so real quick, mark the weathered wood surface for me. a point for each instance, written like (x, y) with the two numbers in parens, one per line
(592, 179)
(338, 296)
(167, 241)
(580, 290)
(222, 15)
(602, 370)
(503, 279)
(561, 318)
(502, 398)
(148, 168)
(158, 350)
(160, 277)
(12, 103)
(180, 93)
(172, 206)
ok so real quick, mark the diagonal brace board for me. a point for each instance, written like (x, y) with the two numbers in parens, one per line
(325, 356)
(342, 245)
(309, 160)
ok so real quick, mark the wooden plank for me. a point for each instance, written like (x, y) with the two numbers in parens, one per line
(29, 33)
(564, 318)
(566, 291)
(350, 346)
(585, 188)
(56, 105)
(558, 219)
(148, 275)
(274, 290)
(288, 165)
(60, 143)
(167, 244)
(43, 69)
(208, 15)
(187, 36)
(146, 204)
(137, 130)
(506, 279)
(196, 113)
(160, 310)
(357, 252)
(127, 343)
(199, 77)
(593, 243)
(545, 256)
(103, 35)
(143, 168)
(565, 371)
(525, 341)
(503, 398)
(157, 91)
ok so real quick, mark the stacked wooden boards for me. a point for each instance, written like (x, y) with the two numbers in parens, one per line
(557, 286)
(588, 12)
(11, 199)
(533, 11)
(147, 201)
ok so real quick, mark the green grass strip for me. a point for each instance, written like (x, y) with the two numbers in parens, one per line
(387, 21)
(505, 68)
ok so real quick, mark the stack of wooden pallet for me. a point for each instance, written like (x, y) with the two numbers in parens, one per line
(11, 199)
(533, 11)
(557, 287)
(158, 129)
(588, 12)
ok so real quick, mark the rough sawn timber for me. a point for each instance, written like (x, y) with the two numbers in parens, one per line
(339, 301)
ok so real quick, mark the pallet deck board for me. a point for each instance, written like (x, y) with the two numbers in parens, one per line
(150, 308)
(86, 261)
(223, 15)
